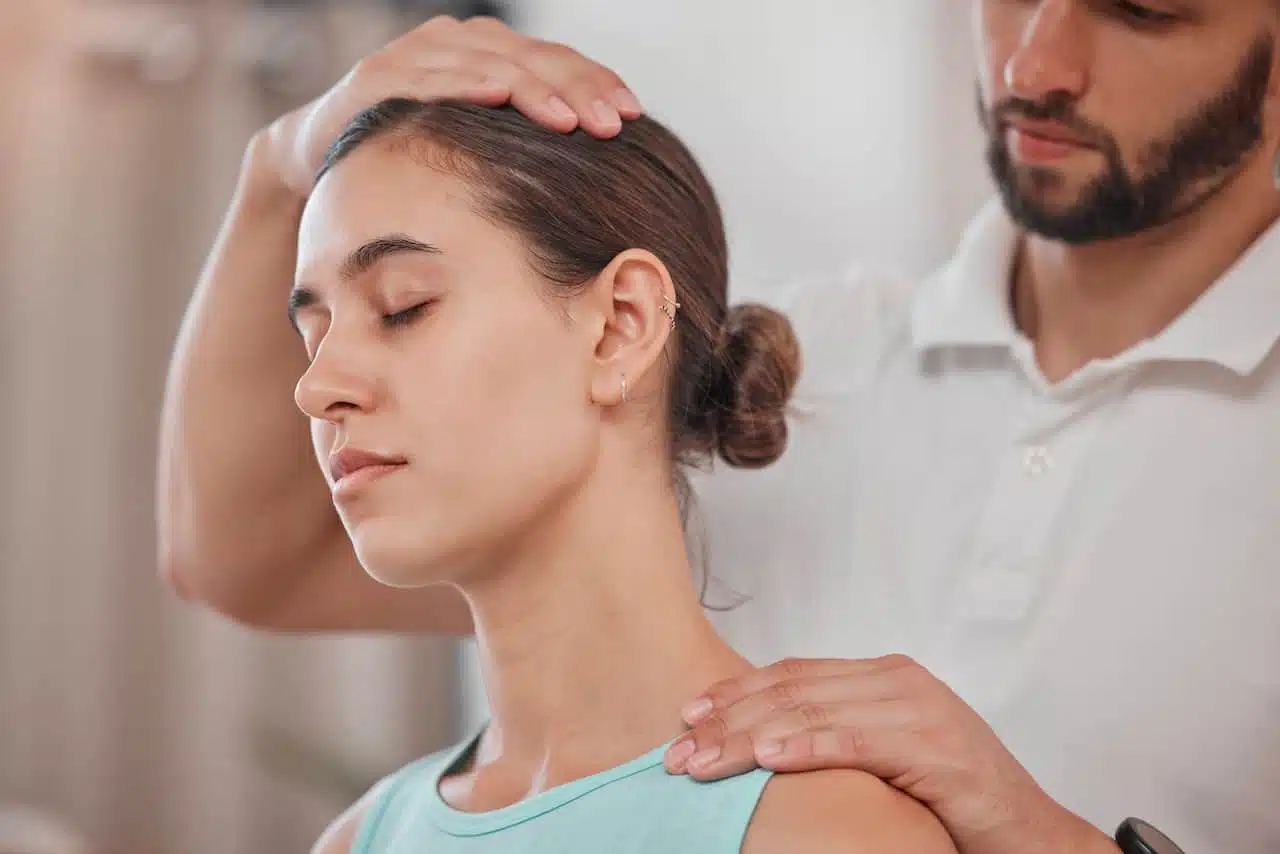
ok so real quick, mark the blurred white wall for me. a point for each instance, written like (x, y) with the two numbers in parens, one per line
(835, 131)
(831, 128)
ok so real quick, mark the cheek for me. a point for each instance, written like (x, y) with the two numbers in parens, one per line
(537, 386)
(494, 413)
(498, 399)
(996, 30)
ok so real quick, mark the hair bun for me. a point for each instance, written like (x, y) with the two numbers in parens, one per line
(761, 367)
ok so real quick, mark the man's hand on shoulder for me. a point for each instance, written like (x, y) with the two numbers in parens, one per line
(843, 811)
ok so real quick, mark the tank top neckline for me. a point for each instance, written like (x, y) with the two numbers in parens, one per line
(456, 822)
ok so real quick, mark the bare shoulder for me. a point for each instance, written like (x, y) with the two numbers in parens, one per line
(842, 811)
(340, 836)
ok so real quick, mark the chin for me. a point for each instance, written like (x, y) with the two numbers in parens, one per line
(389, 573)
(398, 555)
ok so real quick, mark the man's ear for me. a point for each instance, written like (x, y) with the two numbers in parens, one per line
(637, 303)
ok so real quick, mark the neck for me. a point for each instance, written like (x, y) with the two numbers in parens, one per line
(593, 637)
(1085, 303)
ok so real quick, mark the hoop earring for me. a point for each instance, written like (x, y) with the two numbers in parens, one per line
(669, 308)
(624, 388)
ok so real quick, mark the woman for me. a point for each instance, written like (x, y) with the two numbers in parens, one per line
(517, 339)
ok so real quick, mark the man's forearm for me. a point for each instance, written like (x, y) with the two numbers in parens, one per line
(1053, 829)
(1087, 839)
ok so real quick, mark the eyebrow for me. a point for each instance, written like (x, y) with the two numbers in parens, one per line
(362, 259)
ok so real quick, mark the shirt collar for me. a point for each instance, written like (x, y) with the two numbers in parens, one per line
(966, 303)
(1235, 324)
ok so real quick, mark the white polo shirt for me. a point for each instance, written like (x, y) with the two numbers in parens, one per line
(1094, 566)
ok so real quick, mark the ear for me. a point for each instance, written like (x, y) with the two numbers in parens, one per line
(637, 304)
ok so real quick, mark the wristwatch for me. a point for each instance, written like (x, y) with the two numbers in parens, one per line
(1135, 836)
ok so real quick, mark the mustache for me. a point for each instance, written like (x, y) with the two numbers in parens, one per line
(1058, 107)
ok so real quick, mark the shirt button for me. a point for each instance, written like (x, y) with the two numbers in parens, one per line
(1037, 461)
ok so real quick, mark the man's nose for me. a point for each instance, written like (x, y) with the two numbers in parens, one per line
(1051, 54)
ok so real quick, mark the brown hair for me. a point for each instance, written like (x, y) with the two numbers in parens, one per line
(579, 202)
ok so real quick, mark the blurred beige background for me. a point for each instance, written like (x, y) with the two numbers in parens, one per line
(835, 131)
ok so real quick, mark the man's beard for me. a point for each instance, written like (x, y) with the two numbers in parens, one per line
(1204, 148)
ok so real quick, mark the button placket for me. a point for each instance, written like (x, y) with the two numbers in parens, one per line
(1027, 492)
(1037, 461)
(1009, 566)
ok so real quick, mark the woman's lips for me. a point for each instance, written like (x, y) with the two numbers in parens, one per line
(356, 481)
(352, 469)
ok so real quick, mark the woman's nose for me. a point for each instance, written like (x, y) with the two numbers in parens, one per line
(336, 383)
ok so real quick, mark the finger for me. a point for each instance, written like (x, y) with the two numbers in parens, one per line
(439, 73)
(795, 695)
(438, 84)
(696, 743)
(815, 750)
(878, 738)
(487, 48)
(467, 74)
(569, 71)
(532, 96)
(735, 756)
(597, 94)
(535, 99)
(719, 754)
(482, 32)
(678, 754)
(780, 725)
(725, 694)
(588, 80)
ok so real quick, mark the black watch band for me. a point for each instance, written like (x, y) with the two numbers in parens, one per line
(1135, 836)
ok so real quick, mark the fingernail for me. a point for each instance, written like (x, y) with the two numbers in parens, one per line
(769, 748)
(696, 711)
(680, 752)
(704, 758)
(605, 113)
(625, 100)
(560, 109)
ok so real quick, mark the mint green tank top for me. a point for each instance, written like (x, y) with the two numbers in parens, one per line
(635, 808)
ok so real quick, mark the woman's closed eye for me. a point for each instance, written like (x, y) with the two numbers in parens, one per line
(407, 316)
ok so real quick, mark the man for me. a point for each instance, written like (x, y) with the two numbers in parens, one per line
(1057, 457)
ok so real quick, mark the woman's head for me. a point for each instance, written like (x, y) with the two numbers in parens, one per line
(478, 295)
